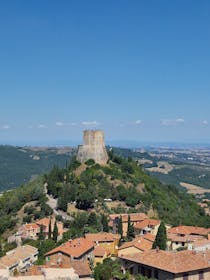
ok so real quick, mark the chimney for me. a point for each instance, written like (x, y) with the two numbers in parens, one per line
(157, 249)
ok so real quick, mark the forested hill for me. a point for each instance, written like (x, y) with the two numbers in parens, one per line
(123, 180)
(18, 165)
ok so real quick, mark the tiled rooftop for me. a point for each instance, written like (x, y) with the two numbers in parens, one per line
(102, 237)
(75, 248)
(174, 262)
(146, 223)
(139, 243)
(189, 230)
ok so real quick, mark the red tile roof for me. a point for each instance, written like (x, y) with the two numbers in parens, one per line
(44, 221)
(139, 243)
(82, 268)
(102, 237)
(189, 230)
(75, 248)
(149, 237)
(186, 238)
(31, 226)
(174, 262)
(99, 251)
(134, 217)
(146, 223)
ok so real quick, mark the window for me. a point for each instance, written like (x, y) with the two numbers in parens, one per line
(201, 275)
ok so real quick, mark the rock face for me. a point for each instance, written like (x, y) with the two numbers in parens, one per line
(93, 147)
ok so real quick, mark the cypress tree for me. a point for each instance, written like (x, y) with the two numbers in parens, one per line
(50, 230)
(161, 238)
(55, 232)
(41, 233)
(120, 227)
(104, 222)
(130, 230)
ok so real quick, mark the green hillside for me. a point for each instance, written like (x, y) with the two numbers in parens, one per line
(18, 165)
(123, 180)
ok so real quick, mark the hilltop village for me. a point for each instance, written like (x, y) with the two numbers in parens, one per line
(104, 218)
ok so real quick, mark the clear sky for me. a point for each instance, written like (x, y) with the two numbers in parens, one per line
(139, 70)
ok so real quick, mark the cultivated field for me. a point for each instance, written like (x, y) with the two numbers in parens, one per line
(194, 189)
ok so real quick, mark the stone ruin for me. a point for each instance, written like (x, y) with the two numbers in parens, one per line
(93, 147)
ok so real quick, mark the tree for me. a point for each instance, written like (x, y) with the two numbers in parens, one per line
(41, 233)
(92, 219)
(50, 230)
(161, 238)
(130, 230)
(85, 200)
(120, 227)
(104, 223)
(55, 232)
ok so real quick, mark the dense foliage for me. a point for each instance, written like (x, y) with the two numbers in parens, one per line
(12, 201)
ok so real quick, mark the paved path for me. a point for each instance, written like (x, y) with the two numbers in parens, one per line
(52, 202)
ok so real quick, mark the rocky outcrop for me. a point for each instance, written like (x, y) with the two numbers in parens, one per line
(93, 147)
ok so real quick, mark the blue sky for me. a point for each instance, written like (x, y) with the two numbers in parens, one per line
(139, 70)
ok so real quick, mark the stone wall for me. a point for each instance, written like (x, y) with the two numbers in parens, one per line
(93, 147)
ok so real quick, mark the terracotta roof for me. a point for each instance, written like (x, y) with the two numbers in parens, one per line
(82, 268)
(149, 237)
(99, 251)
(174, 262)
(31, 226)
(187, 238)
(75, 248)
(135, 217)
(200, 243)
(44, 221)
(139, 243)
(147, 223)
(189, 230)
(102, 237)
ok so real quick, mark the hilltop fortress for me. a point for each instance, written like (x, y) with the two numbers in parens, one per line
(93, 147)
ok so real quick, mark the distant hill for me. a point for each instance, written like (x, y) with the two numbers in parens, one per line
(19, 165)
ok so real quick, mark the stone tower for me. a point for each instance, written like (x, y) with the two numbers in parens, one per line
(93, 147)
